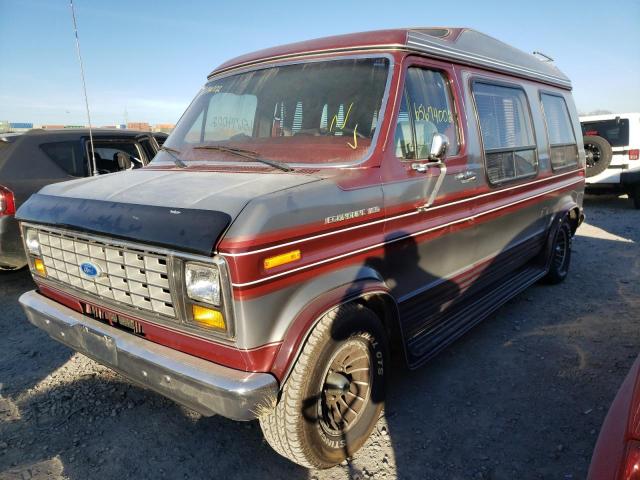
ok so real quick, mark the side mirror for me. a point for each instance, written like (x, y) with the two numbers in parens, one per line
(439, 146)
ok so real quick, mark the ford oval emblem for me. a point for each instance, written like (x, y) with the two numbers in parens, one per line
(90, 270)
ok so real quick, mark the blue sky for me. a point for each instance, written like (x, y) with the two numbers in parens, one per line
(151, 57)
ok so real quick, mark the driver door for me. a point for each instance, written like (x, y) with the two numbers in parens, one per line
(430, 229)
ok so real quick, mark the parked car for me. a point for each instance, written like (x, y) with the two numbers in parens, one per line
(612, 146)
(617, 452)
(316, 205)
(39, 157)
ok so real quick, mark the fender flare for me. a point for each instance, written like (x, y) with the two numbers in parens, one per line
(369, 284)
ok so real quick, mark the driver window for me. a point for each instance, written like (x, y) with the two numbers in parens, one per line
(426, 109)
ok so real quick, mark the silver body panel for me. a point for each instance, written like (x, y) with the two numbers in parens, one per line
(225, 191)
(478, 49)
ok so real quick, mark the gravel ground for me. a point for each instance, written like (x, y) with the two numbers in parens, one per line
(521, 396)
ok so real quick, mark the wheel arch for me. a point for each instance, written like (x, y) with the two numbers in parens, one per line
(368, 290)
(386, 309)
(569, 207)
(575, 217)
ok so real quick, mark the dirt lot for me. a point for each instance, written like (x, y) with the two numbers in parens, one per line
(521, 396)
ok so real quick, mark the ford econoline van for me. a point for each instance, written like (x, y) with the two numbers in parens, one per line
(319, 208)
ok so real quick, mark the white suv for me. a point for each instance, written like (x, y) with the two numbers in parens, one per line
(612, 147)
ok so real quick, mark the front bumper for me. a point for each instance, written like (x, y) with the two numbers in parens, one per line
(203, 386)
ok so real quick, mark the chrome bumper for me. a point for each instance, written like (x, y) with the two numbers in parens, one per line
(203, 386)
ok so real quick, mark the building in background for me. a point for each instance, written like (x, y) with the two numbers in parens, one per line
(18, 127)
(139, 126)
(58, 127)
(163, 127)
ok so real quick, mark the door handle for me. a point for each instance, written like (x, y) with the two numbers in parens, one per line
(466, 177)
(419, 167)
(424, 167)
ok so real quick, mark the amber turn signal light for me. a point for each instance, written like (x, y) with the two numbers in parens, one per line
(208, 317)
(281, 259)
(39, 266)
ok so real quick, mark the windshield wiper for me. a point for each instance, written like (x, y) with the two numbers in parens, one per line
(174, 153)
(249, 154)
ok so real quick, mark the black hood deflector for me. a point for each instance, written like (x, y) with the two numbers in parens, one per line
(187, 230)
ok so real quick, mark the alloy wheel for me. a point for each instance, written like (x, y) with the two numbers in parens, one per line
(346, 389)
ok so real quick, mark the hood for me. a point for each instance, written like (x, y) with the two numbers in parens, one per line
(184, 210)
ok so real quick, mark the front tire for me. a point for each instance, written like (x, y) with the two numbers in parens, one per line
(334, 395)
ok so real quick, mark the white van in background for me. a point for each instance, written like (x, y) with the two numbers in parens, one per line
(612, 147)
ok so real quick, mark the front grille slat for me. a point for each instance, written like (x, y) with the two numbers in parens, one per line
(81, 249)
(69, 257)
(135, 278)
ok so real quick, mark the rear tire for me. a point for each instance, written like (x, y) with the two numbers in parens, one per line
(334, 395)
(560, 254)
(598, 152)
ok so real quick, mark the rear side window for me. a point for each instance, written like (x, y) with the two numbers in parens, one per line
(426, 109)
(615, 131)
(68, 156)
(564, 151)
(507, 135)
(116, 155)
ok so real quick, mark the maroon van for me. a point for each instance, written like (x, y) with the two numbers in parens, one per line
(318, 208)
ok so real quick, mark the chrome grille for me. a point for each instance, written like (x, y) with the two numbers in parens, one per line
(136, 278)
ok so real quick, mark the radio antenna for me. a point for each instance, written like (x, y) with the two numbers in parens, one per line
(545, 57)
(84, 88)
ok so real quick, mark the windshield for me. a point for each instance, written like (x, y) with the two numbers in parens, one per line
(313, 113)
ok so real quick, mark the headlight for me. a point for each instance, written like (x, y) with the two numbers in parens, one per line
(31, 239)
(203, 283)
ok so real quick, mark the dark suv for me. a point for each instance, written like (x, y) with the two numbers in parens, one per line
(40, 157)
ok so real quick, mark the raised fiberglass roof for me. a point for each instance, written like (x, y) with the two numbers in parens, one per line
(461, 45)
